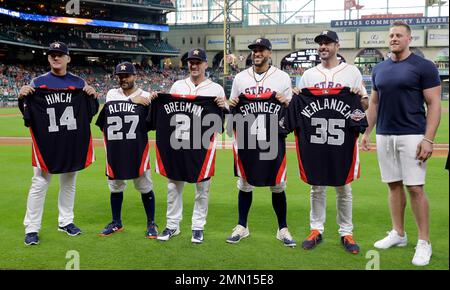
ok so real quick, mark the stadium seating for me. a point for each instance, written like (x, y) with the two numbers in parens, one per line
(116, 45)
(158, 46)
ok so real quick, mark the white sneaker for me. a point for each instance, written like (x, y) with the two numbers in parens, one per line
(239, 232)
(285, 236)
(392, 239)
(423, 253)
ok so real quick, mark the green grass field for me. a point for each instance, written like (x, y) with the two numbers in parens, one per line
(131, 250)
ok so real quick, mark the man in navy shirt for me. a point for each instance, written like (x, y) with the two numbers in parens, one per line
(405, 134)
(57, 78)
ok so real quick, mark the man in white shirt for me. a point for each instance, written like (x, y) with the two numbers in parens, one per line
(196, 84)
(332, 74)
(126, 74)
(258, 79)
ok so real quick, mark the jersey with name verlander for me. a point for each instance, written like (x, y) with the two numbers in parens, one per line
(59, 122)
(327, 123)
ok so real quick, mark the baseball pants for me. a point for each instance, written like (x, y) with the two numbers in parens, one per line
(36, 199)
(243, 185)
(175, 204)
(143, 183)
(344, 208)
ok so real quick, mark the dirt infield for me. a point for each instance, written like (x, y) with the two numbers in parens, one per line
(439, 149)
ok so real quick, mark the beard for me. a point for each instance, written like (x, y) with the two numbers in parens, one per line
(126, 85)
(262, 63)
(327, 55)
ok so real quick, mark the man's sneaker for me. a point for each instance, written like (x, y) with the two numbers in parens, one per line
(423, 253)
(152, 231)
(284, 236)
(111, 228)
(349, 244)
(392, 239)
(314, 238)
(197, 236)
(31, 239)
(239, 232)
(70, 229)
(167, 234)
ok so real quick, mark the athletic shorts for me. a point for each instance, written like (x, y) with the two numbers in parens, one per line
(397, 159)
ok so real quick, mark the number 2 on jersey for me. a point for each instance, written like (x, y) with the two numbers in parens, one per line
(183, 127)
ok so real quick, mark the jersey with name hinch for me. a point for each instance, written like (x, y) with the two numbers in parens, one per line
(59, 122)
(259, 146)
(327, 123)
(125, 128)
(186, 129)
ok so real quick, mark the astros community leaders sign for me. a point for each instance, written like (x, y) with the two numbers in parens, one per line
(388, 21)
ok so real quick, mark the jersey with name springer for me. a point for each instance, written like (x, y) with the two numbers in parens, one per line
(259, 146)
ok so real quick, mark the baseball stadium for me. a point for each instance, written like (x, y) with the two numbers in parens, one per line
(148, 53)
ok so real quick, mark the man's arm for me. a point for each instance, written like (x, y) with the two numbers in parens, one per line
(371, 120)
(433, 101)
(233, 101)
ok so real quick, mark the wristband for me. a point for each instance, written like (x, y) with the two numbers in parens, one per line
(428, 140)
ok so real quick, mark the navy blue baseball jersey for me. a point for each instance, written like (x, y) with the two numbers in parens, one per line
(327, 123)
(186, 128)
(400, 86)
(59, 122)
(52, 81)
(125, 128)
(259, 146)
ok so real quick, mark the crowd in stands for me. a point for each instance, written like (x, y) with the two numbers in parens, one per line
(13, 77)
(294, 70)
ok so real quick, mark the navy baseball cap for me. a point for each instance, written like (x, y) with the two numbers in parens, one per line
(58, 46)
(125, 68)
(197, 53)
(261, 42)
(327, 35)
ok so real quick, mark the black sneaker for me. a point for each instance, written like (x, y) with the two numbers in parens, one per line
(31, 239)
(152, 231)
(314, 238)
(70, 229)
(349, 244)
(111, 228)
